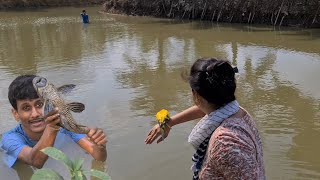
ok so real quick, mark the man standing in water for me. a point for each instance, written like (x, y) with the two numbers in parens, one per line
(85, 17)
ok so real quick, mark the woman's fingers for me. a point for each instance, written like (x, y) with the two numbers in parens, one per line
(148, 137)
(152, 136)
(159, 140)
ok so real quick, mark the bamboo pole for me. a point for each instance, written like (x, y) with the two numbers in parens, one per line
(315, 16)
(185, 10)
(278, 13)
(163, 6)
(213, 15)
(282, 20)
(204, 10)
(252, 17)
(170, 10)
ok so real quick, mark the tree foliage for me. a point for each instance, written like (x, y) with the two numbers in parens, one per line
(274, 12)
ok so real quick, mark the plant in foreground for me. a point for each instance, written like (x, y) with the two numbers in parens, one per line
(75, 168)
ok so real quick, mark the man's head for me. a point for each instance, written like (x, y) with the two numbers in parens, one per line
(84, 11)
(27, 106)
(21, 89)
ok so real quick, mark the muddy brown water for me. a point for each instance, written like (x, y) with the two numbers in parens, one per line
(128, 68)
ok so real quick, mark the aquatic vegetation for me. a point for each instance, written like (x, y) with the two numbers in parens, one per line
(74, 167)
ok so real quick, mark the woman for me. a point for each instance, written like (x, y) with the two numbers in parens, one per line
(226, 140)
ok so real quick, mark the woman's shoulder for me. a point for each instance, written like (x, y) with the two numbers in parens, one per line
(241, 121)
(237, 129)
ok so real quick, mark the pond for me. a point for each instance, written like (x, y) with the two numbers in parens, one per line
(128, 68)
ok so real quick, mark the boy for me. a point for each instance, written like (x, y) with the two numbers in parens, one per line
(85, 17)
(34, 133)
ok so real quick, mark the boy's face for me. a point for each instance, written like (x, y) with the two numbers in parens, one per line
(30, 113)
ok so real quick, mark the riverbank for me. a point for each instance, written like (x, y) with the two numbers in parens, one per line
(299, 13)
(21, 4)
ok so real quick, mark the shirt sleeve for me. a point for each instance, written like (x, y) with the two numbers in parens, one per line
(74, 136)
(12, 144)
(234, 157)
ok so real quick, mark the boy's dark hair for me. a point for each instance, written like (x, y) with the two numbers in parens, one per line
(21, 88)
(214, 80)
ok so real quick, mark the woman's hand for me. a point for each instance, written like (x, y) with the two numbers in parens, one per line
(155, 132)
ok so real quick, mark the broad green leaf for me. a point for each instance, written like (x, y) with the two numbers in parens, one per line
(77, 164)
(84, 177)
(96, 173)
(58, 155)
(78, 175)
(46, 174)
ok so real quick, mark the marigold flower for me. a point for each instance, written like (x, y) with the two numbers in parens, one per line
(162, 116)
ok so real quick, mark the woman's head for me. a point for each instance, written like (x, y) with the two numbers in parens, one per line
(213, 80)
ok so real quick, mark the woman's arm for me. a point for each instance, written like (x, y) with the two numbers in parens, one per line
(189, 114)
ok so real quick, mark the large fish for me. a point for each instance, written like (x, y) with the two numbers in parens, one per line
(52, 99)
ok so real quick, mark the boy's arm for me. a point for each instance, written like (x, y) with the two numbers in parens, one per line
(32, 155)
(95, 144)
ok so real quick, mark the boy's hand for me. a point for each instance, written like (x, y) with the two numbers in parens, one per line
(52, 119)
(97, 136)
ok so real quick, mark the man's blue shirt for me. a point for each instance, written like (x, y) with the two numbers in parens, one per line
(85, 18)
(14, 140)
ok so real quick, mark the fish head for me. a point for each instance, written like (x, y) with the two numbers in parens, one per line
(40, 84)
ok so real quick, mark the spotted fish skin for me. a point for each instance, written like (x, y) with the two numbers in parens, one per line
(52, 99)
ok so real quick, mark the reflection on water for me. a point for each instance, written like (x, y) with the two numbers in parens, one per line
(127, 68)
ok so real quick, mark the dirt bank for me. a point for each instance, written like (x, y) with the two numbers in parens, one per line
(18, 4)
(303, 13)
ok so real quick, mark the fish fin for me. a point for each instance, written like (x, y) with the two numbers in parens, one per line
(76, 107)
(66, 88)
(48, 107)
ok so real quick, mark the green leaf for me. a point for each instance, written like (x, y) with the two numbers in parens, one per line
(84, 177)
(58, 155)
(78, 175)
(47, 174)
(77, 164)
(96, 173)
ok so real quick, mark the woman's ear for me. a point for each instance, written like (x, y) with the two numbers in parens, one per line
(15, 114)
(196, 98)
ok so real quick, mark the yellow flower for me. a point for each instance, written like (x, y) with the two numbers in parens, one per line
(162, 116)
